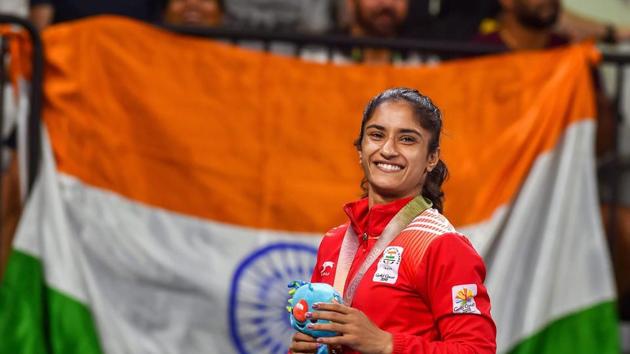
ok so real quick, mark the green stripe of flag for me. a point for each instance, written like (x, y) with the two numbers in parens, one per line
(36, 319)
(593, 330)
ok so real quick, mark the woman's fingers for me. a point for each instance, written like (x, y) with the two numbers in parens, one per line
(303, 344)
(338, 340)
(301, 337)
(334, 312)
(331, 327)
(304, 347)
(334, 307)
(327, 315)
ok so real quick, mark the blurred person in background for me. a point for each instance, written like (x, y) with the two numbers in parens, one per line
(367, 18)
(46, 12)
(199, 13)
(376, 19)
(380, 19)
(526, 24)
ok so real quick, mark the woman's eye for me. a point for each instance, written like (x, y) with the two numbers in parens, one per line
(408, 139)
(376, 135)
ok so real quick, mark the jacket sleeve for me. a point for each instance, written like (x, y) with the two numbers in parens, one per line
(327, 255)
(315, 275)
(451, 276)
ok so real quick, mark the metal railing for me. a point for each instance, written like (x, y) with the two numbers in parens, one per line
(332, 42)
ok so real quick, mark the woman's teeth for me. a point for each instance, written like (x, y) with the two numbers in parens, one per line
(389, 167)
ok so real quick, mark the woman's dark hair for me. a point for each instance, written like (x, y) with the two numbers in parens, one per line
(430, 118)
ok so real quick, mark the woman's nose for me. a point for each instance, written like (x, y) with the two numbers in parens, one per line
(389, 148)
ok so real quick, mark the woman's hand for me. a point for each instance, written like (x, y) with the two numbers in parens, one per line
(302, 343)
(355, 329)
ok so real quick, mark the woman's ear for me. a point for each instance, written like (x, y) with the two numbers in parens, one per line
(433, 159)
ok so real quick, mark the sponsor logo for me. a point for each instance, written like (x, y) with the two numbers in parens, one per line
(387, 268)
(464, 298)
(326, 268)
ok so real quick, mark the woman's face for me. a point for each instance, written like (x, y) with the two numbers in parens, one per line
(394, 153)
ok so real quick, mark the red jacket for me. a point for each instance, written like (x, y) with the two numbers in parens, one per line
(436, 301)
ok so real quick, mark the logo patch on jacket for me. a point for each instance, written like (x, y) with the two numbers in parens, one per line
(326, 268)
(387, 268)
(464, 298)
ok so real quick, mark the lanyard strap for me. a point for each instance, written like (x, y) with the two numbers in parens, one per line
(350, 245)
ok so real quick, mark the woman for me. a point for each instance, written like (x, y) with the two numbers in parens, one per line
(410, 282)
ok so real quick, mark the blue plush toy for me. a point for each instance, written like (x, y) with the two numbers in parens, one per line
(303, 296)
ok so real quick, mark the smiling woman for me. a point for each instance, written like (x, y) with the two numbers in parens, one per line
(410, 282)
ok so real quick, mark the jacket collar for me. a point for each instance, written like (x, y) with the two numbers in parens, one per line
(372, 221)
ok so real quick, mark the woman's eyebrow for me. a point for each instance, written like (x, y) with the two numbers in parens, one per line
(410, 131)
(376, 126)
(401, 131)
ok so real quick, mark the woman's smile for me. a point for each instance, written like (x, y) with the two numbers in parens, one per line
(388, 167)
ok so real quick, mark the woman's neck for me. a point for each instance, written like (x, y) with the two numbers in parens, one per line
(375, 198)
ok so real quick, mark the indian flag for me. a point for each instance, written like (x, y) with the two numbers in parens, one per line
(185, 181)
